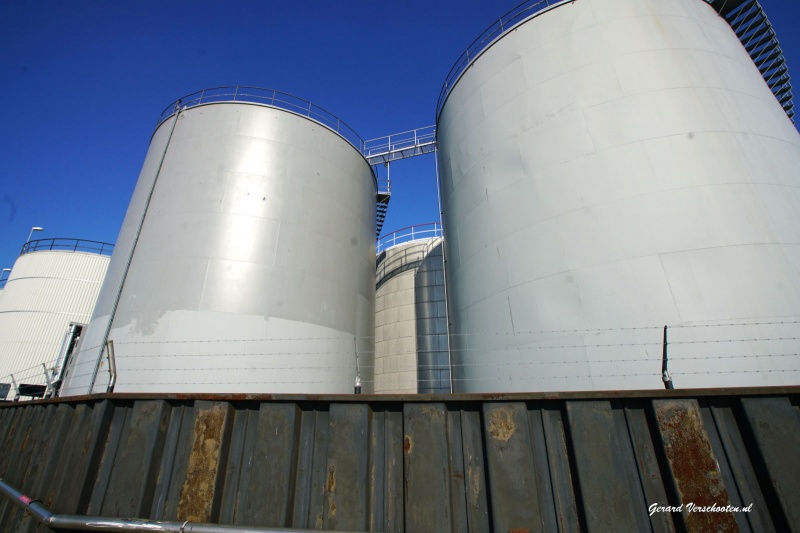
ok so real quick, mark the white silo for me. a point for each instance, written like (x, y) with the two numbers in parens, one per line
(246, 259)
(54, 283)
(410, 313)
(609, 167)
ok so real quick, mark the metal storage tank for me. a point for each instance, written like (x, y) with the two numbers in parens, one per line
(54, 283)
(609, 167)
(411, 344)
(246, 259)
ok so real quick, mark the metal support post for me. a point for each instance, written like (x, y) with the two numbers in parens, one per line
(357, 387)
(665, 377)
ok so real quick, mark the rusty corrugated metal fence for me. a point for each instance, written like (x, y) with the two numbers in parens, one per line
(511, 463)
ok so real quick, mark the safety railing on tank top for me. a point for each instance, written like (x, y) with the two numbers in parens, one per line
(67, 245)
(501, 26)
(408, 234)
(270, 97)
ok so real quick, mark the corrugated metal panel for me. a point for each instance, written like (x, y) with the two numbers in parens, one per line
(581, 461)
(45, 292)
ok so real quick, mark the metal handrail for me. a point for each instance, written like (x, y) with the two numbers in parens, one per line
(408, 234)
(497, 29)
(269, 97)
(36, 509)
(70, 245)
(399, 141)
(530, 8)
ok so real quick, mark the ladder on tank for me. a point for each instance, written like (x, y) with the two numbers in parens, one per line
(384, 150)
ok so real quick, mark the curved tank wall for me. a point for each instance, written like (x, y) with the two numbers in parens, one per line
(609, 167)
(410, 319)
(254, 269)
(45, 292)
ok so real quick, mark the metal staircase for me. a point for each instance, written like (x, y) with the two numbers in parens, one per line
(381, 208)
(751, 26)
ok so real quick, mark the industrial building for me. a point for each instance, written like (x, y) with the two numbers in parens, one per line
(605, 319)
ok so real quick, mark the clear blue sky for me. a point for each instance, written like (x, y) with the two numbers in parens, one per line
(83, 82)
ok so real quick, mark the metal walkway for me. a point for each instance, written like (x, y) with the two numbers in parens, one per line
(384, 150)
(400, 145)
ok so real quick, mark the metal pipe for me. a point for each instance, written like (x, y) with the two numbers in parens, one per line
(444, 270)
(101, 523)
(63, 359)
(133, 248)
(112, 366)
(47, 379)
(16, 387)
(36, 509)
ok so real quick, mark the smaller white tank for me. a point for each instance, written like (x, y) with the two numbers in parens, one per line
(53, 284)
(410, 313)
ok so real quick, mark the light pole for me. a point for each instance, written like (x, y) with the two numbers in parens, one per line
(35, 228)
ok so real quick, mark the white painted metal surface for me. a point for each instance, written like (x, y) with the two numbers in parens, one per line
(46, 290)
(396, 318)
(254, 271)
(410, 317)
(608, 167)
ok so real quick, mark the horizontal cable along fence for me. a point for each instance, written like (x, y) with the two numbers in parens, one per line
(609, 353)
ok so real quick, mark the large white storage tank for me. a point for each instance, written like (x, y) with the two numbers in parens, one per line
(609, 167)
(246, 259)
(54, 282)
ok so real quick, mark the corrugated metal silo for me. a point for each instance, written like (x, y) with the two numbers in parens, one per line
(246, 259)
(54, 282)
(609, 167)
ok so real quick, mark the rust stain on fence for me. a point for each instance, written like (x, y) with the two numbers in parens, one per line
(197, 494)
(501, 424)
(408, 444)
(331, 486)
(694, 466)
